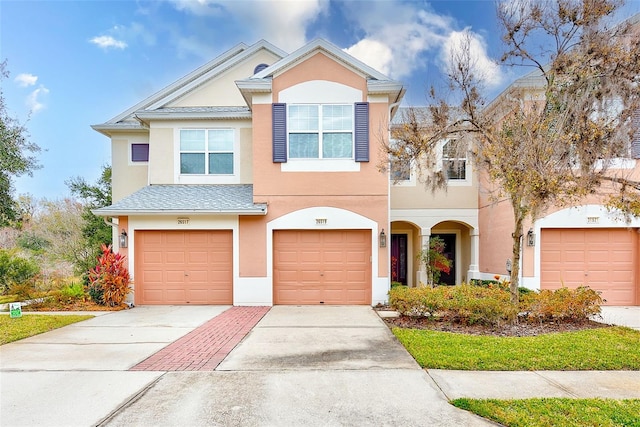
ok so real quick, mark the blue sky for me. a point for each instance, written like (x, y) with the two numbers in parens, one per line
(78, 63)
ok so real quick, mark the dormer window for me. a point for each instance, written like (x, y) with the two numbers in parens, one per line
(206, 151)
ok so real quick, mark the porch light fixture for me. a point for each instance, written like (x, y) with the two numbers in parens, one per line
(531, 238)
(383, 239)
(124, 240)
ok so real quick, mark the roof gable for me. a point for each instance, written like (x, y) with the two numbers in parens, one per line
(198, 77)
(329, 49)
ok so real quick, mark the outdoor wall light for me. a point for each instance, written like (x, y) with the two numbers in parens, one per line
(383, 239)
(124, 240)
(531, 238)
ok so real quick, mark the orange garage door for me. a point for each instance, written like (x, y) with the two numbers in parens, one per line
(183, 267)
(603, 259)
(322, 267)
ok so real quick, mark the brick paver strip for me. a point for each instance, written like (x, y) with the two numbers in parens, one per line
(206, 346)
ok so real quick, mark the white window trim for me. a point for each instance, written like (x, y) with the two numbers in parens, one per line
(180, 178)
(468, 170)
(320, 133)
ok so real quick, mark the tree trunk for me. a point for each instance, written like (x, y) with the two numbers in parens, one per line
(518, 216)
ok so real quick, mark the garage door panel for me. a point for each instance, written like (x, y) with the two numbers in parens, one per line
(184, 267)
(313, 267)
(603, 259)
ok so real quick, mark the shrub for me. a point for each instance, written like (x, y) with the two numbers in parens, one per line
(109, 280)
(564, 304)
(464, 303)
(16, 271)
(471, 304)
(420, 302)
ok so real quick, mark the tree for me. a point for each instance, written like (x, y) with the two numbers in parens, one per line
(95, 231)
(553, 140)
(17, 156)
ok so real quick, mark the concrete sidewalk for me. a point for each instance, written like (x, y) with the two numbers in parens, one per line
(530, 384)
(298, 366)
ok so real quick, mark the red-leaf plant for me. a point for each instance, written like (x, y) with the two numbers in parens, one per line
(111, 275)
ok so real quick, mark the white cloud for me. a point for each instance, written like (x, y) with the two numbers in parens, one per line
(283, 23)
(107, 42)
(35, 101)
(405, 30)
(408, 37)
(25, 80)
(373, 53)
(483, 67)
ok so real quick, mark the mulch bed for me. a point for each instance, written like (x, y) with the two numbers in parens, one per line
(521, 329)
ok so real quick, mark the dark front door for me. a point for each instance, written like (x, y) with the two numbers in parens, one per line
(450, 253)
(399, 258)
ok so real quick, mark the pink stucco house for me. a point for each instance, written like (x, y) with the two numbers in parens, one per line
(255, 180)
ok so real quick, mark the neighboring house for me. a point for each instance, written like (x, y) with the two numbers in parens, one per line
(254, 180)
(417, 214)
(585, 244)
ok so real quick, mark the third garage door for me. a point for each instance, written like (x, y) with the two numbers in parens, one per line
(603, 259)
(184, 267)
(322, 267)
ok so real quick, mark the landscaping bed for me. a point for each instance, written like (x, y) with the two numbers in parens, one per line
(521, 329)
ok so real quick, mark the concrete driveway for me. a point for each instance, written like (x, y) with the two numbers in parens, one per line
(77, 375)
(309, 366)
(298, 366)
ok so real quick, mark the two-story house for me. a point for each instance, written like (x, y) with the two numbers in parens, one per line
(254, 180)
(583, 244)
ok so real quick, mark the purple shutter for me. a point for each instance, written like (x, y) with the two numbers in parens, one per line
(361, 131)
(139, 152)
(635, 142)
(279, 121)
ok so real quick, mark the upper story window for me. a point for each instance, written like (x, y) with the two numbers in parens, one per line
(400, 170)
(454, 163)
(139, 153)
(320, 131)
(206, 151)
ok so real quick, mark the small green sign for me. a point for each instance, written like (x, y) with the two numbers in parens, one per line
(15, 309)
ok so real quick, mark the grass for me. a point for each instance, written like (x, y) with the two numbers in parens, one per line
(14, 329)
(556, 412)
(614, 348)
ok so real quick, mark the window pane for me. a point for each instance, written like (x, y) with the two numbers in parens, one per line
(221, 140)
(455, 169)
(337, 117)
(303, 117)
(221, 163)
(192, 163)
(337, 145)
(139, 152)
(303, 146)
(192, 140)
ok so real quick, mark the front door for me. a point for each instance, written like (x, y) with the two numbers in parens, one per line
(399, 258)
(450, 253)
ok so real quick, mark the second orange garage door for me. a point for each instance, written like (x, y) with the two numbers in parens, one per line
(322, 267)
(603, 259)
(184, 267)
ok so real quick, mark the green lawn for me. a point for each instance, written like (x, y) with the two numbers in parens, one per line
(614, 348)
(556, 412)
(13, 329)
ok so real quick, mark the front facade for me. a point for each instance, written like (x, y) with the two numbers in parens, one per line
(254, 181)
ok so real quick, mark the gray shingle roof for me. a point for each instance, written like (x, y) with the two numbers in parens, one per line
(205, 199)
